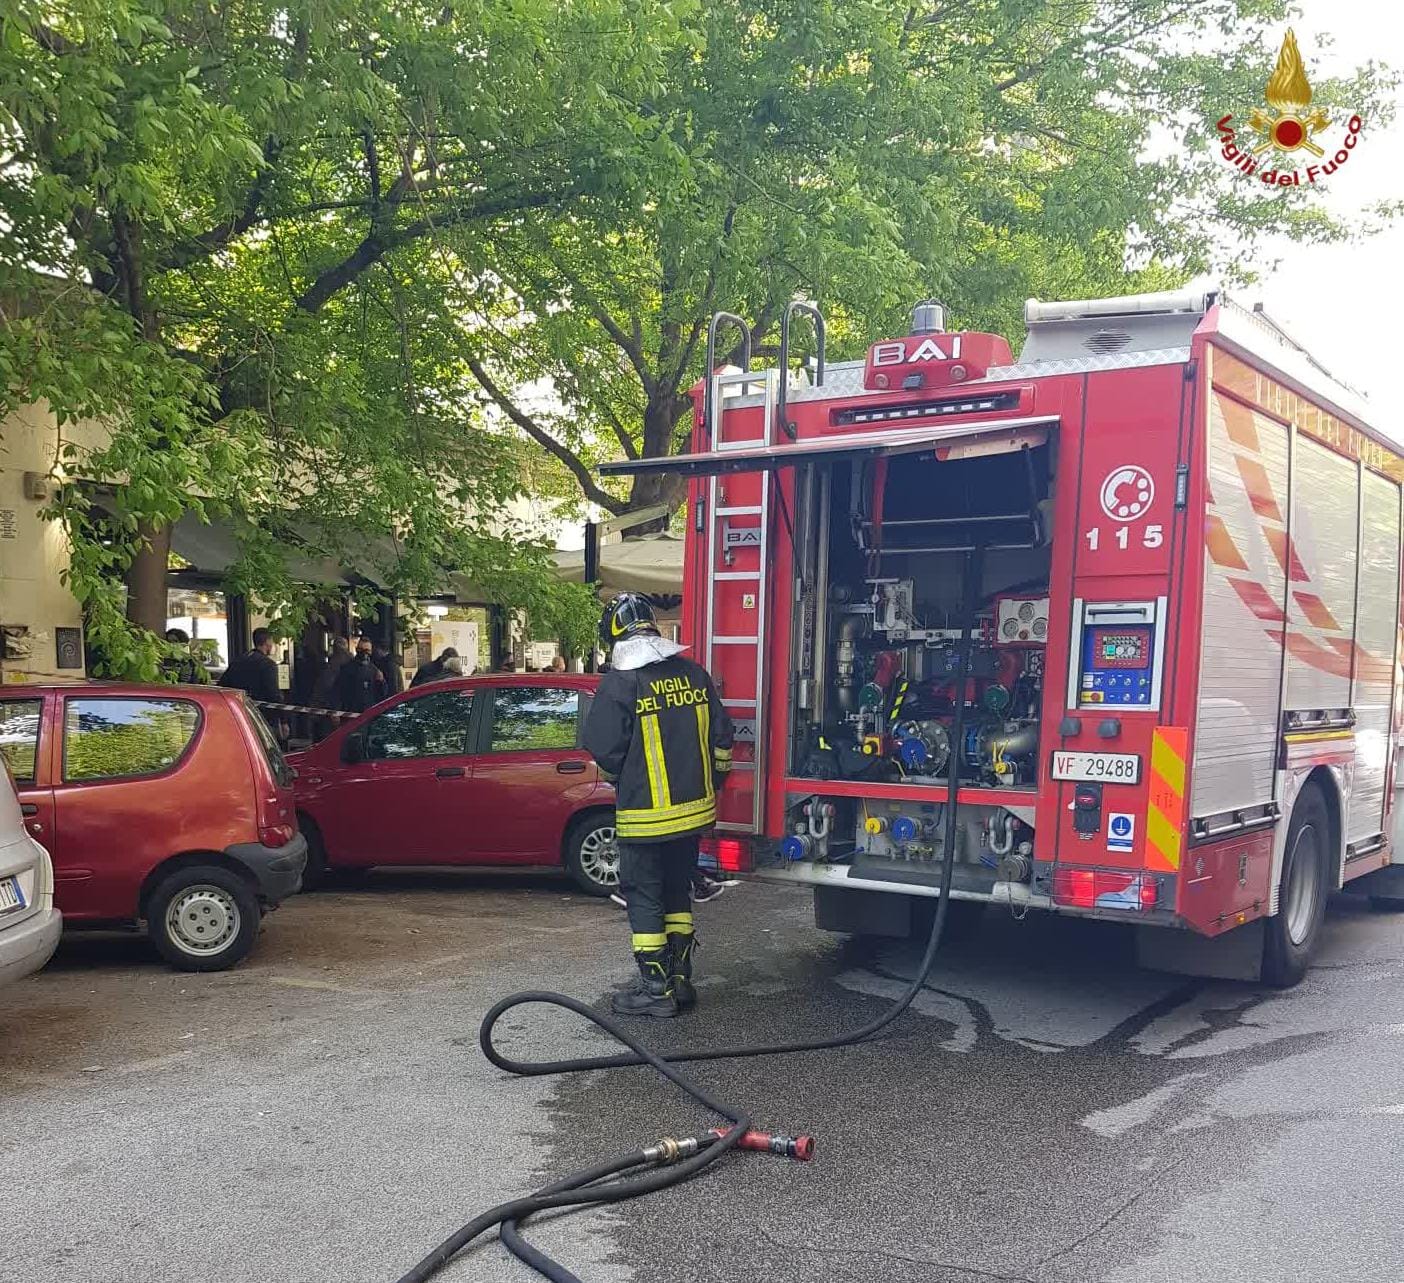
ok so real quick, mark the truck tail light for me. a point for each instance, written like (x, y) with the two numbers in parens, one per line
(1105, 889)
(275, 834)
(731, 855)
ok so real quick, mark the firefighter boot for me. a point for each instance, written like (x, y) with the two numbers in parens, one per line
(680, 947)
(652, 995)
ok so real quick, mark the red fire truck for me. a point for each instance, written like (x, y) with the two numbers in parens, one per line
(1134, 593)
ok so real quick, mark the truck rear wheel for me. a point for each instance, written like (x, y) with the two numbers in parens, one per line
(1291, 935)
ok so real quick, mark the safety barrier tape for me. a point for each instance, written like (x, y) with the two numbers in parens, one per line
(303, 708)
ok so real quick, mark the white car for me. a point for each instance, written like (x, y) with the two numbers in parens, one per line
(29, 923)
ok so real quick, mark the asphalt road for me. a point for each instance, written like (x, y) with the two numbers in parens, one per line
(1048, 1113)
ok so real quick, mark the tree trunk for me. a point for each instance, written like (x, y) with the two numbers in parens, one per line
(660, 423)
(146, 576)
(146, 579)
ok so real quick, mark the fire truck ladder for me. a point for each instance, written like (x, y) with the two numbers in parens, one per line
(748, 713)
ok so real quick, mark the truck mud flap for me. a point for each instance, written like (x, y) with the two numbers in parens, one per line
(964, 878)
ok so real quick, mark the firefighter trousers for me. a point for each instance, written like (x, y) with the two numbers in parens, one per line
(656, 881)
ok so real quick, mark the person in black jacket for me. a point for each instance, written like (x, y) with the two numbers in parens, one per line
(435, 668)
(658, 729)
(255, 673)
(360, 683)
(389, 668)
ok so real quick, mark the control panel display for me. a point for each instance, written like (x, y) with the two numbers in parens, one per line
(1118, 666)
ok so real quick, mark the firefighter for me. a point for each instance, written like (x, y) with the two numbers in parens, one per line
(657, 728)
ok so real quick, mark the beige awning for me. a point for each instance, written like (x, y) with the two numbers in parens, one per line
(646, 563)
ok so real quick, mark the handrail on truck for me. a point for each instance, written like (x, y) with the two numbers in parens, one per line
(809, 309)
(708, 396)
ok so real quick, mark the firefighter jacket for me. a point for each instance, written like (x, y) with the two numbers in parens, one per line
(661, 734)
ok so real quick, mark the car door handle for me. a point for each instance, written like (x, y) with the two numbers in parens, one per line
(571, 768)
(28, 808)
(450, 773)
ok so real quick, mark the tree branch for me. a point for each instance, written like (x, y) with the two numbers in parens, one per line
(544, 439)
(217, 237)
(377, 244)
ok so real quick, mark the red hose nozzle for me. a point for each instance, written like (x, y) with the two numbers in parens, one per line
(800, 1148)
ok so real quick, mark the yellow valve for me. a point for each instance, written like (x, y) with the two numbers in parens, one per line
(875, 824)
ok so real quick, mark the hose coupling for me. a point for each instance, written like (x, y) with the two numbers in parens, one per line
(669, 1150)
(799, 1148)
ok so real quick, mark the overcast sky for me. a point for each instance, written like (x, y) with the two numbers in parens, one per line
(1343, 301)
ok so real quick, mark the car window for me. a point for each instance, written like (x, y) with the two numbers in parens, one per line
(19, 736)
(112, 738)
(533, 717)
(282, 772)
(431, 726)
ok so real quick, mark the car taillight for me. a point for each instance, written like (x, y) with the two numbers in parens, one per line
(732, 855)
(276, 834)
(1105, 889)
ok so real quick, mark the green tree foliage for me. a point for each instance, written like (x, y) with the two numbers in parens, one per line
(230, 210)
(866, 155)
(330, 267)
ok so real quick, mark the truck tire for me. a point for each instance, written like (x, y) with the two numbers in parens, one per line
(592, 854)
(1291, 935)
(203, 918)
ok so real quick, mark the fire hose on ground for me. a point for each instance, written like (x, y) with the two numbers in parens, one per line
(671, 1162)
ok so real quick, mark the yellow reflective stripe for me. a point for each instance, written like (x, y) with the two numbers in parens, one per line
(644, 941)
(677, 923)
(653, 756)
(704, 744)
(663, 812)
(1167, 763)
(662, 828)
(722, 754)
(674, 824)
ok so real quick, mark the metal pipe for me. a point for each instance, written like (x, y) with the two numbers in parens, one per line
(708, 393)
(952, 521)
(973, 572)
(821, 595)
(797, 305)
(986, 547)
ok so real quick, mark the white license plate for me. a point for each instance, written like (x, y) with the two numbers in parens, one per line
(1109, 768)
(11, 897)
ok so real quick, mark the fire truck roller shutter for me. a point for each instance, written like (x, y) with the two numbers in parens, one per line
(1321, 604)
(958, 439)
(1376, 629)
(1239, 716)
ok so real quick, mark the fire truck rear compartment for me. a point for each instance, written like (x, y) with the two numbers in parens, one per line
(880, 616)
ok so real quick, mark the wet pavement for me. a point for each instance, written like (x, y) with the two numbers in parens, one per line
(1047, 1112)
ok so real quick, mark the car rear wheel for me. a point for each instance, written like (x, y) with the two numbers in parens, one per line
(592, 854)
(315, 874)
(1292, 933)
(203, 918)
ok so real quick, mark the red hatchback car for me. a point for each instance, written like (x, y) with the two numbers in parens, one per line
(473, 770)
(170, 805)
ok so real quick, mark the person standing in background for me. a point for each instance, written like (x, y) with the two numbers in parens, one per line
(182, 667)
(360, 684)
(255, 672)
(389, 669)
(435, 668)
